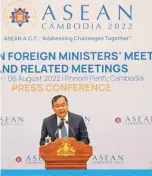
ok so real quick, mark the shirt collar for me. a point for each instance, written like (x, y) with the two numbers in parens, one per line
(59, 119)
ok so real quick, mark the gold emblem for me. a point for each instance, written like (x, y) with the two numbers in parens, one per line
(66, 149)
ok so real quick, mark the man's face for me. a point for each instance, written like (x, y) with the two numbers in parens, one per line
(60, 107)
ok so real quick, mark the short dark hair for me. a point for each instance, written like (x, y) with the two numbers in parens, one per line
(54, 99)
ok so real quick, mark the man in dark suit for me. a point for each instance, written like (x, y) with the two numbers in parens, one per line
(74, 125)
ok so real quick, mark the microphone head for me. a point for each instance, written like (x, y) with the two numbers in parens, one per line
(61, 124)
(66, 122)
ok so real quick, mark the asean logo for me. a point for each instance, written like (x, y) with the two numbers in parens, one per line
(18, 159)
(118, 120)
(19, 16)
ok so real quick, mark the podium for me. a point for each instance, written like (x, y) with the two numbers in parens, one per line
(65, 153)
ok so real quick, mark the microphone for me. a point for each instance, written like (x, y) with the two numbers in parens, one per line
(70, 128)
(61, 124)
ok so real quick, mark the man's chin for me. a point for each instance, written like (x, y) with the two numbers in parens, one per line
(62, 115)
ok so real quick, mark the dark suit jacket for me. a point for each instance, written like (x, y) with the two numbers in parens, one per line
(77, 128)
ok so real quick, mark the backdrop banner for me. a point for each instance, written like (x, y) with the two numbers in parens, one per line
(96, 53)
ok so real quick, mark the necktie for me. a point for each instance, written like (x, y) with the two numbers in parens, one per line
(63, 130)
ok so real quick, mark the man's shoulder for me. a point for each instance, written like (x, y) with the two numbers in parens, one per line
(49, 118)
(77, 116)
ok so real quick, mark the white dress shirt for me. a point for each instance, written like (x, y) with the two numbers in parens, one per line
(66, 125)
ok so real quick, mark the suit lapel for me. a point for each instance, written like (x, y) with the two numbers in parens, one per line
(70, 125)
(54, 126)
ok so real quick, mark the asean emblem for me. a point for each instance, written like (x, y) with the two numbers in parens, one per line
(19, 16)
